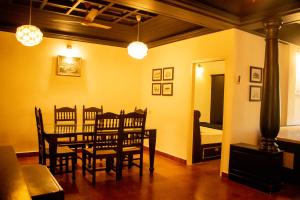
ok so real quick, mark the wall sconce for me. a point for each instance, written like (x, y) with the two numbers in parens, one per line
(199, 71)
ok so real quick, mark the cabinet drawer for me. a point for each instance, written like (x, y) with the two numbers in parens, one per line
(211, 151)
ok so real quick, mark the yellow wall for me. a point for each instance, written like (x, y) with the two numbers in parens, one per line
(293, 105)
(112, 79)
(27, 79)
(203, 87)
(172, 116)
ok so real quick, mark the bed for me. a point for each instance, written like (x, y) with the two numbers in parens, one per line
(207, 140)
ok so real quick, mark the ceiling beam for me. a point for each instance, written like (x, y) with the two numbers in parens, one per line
(73, 7)
(176, 12)
(179, 37)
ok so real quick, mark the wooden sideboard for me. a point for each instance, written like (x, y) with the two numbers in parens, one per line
(26, 182)
(256, 168)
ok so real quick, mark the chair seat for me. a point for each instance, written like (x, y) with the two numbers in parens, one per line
(61, 151)
(101, 152)
(130, 149)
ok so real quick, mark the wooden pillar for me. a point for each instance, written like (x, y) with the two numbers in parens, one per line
(270, 104)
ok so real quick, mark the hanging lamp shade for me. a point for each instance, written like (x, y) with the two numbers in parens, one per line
(137, 49)
(29, 35)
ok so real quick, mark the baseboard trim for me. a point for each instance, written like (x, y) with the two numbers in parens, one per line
(224, 175)
(27, 154)
(176, 159)
(173, 158)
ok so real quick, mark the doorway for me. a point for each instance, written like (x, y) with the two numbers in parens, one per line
(208, 110)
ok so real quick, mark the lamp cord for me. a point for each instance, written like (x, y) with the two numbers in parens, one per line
(138, 35)
(30, 12)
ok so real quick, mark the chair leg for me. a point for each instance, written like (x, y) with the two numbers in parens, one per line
(119, 167)
(109, 164)
(61, 164)
(74, 158)
(94, 171)
(141, 164)
(83, 162)
(67, 163)
(130, 160)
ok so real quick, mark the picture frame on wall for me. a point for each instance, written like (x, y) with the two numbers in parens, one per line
(168, 73)
(255, 93)
(156, 74)
(156, 88)
(167, 89)
(256, 74)
(68, 66)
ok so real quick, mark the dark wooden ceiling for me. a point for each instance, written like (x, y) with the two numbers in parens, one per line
(163, 21)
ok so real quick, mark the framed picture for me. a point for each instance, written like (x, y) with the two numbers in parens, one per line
(255, 93)
(156, 74)
(168, 73)
(256, 74)
(167, 89)
(156, 89)
(68, 66)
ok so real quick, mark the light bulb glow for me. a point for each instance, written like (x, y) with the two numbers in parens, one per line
(137, 50)
(29, 35)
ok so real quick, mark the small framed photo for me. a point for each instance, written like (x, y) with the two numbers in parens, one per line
(156, 74)
(256, 74)
(68, 66)
(167, 89)
(255, 93)
(168, 74)
(156, 88)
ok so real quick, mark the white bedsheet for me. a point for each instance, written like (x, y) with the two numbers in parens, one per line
(210, 135)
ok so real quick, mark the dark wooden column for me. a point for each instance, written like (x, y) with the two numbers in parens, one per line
(270, 104)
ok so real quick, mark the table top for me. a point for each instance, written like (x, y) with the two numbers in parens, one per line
(76, 129)
(289, 134)
(12, 182)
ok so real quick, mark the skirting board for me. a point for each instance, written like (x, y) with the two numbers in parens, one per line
(179, 160)
(176, 159)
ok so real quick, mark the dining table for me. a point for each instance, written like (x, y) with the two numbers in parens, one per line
(80, 134)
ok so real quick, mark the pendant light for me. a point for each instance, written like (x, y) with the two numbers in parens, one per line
(29, 35)
(136, 49)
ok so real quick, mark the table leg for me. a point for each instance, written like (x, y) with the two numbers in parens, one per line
(152, 143)
(52, 152)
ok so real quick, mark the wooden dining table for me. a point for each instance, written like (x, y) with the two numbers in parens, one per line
(60, 134)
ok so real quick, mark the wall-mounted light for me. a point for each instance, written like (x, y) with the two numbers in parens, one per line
(68, 62)
(199, 71)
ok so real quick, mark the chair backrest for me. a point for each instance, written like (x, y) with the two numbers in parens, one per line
(89, 116)
(65, 115)
(107, 131)
(133, 129)
(41, 139)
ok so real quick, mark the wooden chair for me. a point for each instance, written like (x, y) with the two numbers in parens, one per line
(133, 131)
(63, 153)
(65, 115)
(106, 144)
(88, 120)
(65, 120)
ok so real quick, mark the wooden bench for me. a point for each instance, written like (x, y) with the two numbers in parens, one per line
(41, 184)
